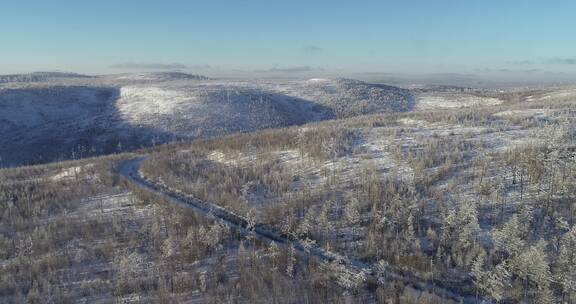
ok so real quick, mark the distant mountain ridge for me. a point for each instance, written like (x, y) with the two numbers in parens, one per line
(163, 76)
(39, 76)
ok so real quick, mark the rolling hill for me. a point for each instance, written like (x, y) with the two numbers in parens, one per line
(56, 116)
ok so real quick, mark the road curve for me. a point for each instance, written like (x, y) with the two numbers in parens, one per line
(130, 170)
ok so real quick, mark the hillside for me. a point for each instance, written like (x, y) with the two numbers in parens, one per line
(468, 194)
(49, 117)
(442, 204)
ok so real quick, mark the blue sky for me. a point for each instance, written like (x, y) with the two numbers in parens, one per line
(499, 38)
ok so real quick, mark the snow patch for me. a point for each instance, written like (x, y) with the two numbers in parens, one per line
(540, 113)
(288, 156)
(412, 122)
(565, 94)
(71, 172)
(453, 101)
(138, 103)
(318, 80)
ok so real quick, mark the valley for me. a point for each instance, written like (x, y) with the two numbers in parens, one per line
(203, 190)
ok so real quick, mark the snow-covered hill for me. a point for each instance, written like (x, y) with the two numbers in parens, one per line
(63, 116)
(192, 111)
(43, 122)
(161, 76)
(347, 97)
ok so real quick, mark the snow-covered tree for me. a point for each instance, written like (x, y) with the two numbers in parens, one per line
(274, 253)
(323, 220)
(307, 224)
(491, 283)
(211, 237)
(352, 212)
(251, 220)
(531, 266)
(459, 232)
(410, 234)
(291, 262)
(344, 277)
(508, 238)
(170, 247)
(566, 268)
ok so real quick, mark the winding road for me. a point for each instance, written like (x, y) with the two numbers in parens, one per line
(130, 170)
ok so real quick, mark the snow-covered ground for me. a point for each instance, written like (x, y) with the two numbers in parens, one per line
(523, 113)
(429, 101)
(562, 94)
(72, 172)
